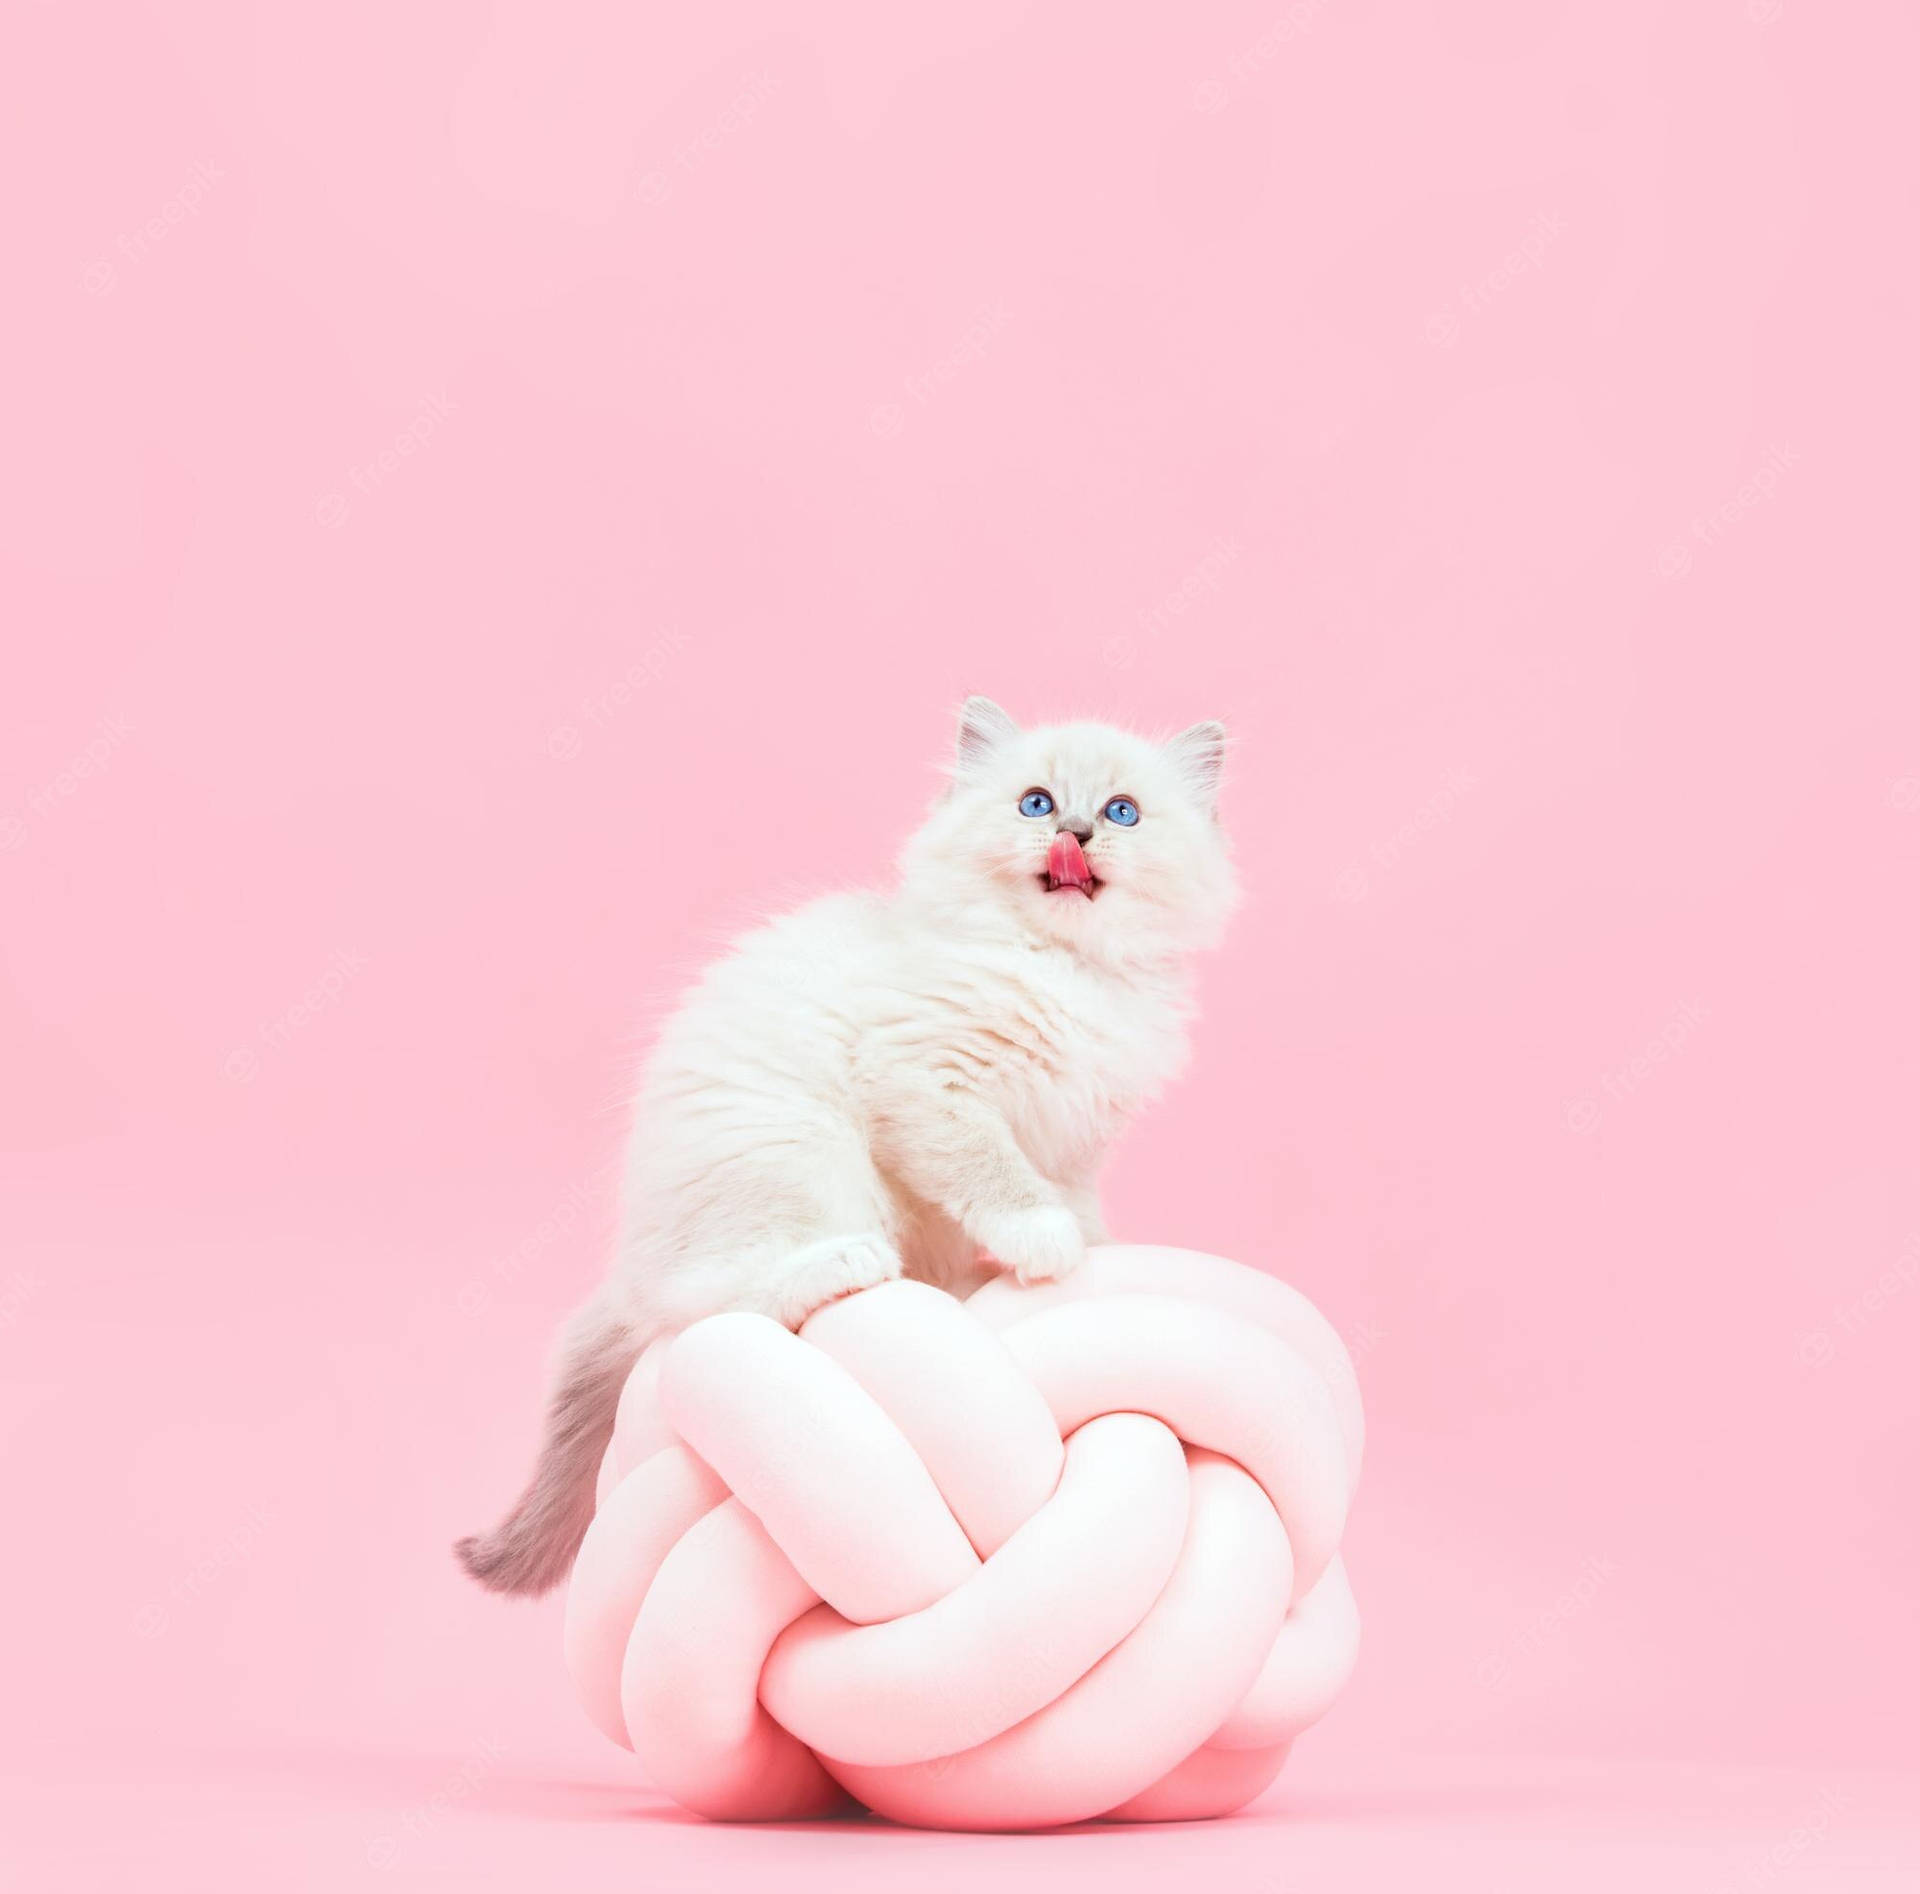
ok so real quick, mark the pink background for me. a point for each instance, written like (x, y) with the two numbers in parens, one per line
(498, 496)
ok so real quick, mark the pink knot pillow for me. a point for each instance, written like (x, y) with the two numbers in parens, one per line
(1043, 1555)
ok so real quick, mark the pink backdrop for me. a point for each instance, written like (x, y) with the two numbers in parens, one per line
(496, 497)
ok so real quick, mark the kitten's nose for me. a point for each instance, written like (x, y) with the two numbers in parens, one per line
(1082, 832)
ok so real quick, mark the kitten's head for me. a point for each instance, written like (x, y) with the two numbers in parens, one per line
(1088, 835)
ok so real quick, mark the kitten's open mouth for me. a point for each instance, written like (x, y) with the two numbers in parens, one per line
(1067, 868)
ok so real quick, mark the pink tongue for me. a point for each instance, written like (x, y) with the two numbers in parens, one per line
(1066, 866)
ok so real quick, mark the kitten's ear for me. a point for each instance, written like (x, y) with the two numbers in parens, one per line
(1200, 754)
(984, 726)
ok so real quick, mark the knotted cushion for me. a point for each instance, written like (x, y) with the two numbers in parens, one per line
(1047, 1554)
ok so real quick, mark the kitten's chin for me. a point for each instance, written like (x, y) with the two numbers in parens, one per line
(1100, 920)
(1123, 923)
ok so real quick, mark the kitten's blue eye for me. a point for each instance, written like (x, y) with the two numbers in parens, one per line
(1036, 802)
(1120, 810)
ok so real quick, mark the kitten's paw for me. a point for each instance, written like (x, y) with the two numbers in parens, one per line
(1037, 1245)
(819, 1273)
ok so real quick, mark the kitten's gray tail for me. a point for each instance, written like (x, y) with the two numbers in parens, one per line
(531, 1550)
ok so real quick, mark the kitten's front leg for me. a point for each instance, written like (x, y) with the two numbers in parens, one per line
(1038, 1245)
(953, 1149)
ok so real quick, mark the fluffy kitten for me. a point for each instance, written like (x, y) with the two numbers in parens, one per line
(904, 1082)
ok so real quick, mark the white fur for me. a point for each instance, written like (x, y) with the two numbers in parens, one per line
(910, 1078)
(925, 1080)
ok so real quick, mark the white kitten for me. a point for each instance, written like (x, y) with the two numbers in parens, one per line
(881, 1084)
